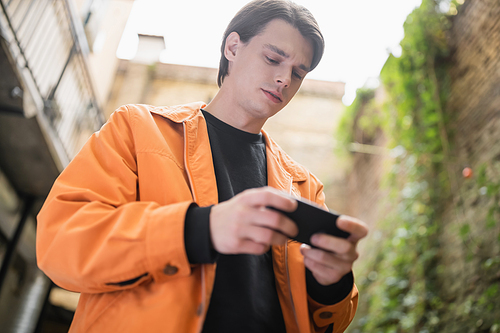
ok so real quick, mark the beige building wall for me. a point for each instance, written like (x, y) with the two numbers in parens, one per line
(104, 30)
(103, 61)
(304, 128)
(174, 84)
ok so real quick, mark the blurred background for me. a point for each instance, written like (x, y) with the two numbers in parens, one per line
(400, 121)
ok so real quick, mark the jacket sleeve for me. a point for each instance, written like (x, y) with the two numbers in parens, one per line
(339, 314)
(93, 235)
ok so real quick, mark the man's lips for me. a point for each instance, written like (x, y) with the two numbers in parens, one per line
(273, 96)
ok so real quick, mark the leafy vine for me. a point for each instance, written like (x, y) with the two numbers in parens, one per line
(400, 289)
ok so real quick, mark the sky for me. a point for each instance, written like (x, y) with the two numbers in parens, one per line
(359, 34)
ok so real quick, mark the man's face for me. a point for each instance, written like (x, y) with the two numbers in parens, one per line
(266, 72)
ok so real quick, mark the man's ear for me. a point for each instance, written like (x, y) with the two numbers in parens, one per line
(232, 43)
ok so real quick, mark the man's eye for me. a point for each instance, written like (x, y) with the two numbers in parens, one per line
(272, 61)
(297, 75)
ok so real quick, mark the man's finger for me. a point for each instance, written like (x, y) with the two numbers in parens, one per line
(355, 227)
(332, 243)
(268, 196)
(250, 247)
(264, 236)
(328, 259)
(324, 275)
(274, 220)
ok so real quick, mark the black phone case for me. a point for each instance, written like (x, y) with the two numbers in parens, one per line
(312, 219)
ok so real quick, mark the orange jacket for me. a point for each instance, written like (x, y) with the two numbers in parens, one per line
(112, 227)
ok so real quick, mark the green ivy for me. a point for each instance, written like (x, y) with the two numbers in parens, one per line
(400, 292)
(345, 135)
(400, 285)
(399, 288)
(491, 189)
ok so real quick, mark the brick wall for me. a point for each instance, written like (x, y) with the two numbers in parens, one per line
(474, 107)
(474, 110)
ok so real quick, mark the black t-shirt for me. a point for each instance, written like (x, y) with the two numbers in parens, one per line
(244, 298)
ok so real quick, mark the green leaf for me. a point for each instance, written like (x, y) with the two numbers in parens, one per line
(481, 175)
(490, 218)
(464, 230)
(492, 291)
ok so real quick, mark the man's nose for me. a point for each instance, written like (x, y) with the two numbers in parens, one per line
(283, 79)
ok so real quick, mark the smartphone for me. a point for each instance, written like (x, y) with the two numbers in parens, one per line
(312, 219)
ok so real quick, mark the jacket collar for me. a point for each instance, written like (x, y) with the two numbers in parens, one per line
(297, 171)
(179, 113)
(182, 113)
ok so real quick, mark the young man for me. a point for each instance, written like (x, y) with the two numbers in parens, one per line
(161, 220)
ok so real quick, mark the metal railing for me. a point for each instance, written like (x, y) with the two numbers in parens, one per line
(47, 47)
(47, 42)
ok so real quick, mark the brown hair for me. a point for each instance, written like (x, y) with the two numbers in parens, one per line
(254, 16)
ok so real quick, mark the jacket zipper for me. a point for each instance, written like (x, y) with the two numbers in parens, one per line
(288, 275)
(289, 287)
(193, 192)
(186, 162)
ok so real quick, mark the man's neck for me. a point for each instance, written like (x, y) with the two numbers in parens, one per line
(225, 107)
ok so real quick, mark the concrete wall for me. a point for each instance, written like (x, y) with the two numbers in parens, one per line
(102, 60)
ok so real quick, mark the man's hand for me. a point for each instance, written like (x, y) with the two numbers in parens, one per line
(243, 224)
(334, 256)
